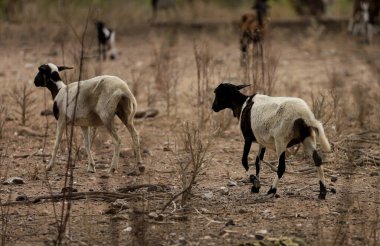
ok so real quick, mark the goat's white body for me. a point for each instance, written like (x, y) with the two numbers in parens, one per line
(272, 121)
(98, 100)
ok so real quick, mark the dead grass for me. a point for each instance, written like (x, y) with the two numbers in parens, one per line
(25, 101)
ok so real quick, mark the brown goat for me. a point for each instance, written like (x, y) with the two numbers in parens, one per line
(252, 31)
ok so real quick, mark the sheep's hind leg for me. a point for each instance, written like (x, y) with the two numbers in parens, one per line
(86, 140)
(310, 147)
(127, 119)
(256, 180)
(116, 141)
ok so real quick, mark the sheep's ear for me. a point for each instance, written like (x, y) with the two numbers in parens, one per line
(239, 87)
(61, 68)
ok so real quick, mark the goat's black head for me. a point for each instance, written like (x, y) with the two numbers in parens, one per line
(48, 73)
(227, 96)
(99, 25)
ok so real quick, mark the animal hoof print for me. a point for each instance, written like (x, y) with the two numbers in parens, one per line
(272, 191)
(255, 189)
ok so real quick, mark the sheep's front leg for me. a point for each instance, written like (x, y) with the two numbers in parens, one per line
(256, 182)
(58, 137)
(116, 142)
(86, 140)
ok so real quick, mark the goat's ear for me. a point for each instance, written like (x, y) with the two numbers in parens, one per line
(239, 87)
(61, 68)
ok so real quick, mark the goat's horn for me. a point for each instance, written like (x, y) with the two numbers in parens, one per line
(61, 68)
(239, 87)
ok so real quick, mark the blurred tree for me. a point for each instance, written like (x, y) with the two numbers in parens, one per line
(315, 8)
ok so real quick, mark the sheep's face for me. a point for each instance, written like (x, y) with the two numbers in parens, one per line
(225, 95)
(48, 73)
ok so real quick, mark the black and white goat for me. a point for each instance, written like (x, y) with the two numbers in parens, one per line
(364, 17)
(274, 123)
(95, 102)
(106, 41)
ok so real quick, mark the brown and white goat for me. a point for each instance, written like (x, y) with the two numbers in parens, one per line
(90, 103)
(253, 28)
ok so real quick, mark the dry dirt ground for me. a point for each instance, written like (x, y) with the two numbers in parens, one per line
(310, 65)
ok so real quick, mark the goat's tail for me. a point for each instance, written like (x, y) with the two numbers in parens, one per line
(321, 134)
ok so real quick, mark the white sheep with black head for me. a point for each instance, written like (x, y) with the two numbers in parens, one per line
(97, 102)
(275, 123)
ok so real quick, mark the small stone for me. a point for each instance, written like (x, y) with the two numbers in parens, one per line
(128, 229)
(207, 237)
(21, 197)
(120, 203)
(208, 195)
(224, 191)
(373, 174)
(14, 180)
(260, 234)
(153, 215)
(69, 190)
(334, 178)
(333, 190)
(166, 149)
(231, 183)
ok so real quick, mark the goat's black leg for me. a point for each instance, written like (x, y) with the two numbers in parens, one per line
(99, 50)
(280, 173)
(247, 148)
(244, 42)
(256, 180)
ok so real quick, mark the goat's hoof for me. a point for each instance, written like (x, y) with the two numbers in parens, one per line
(112, 170)
(91, 170)
(141, 168)
(48, 168)
(272, 191)
(256, 184)
(322, 196)
(255, 189)
(134, 173)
